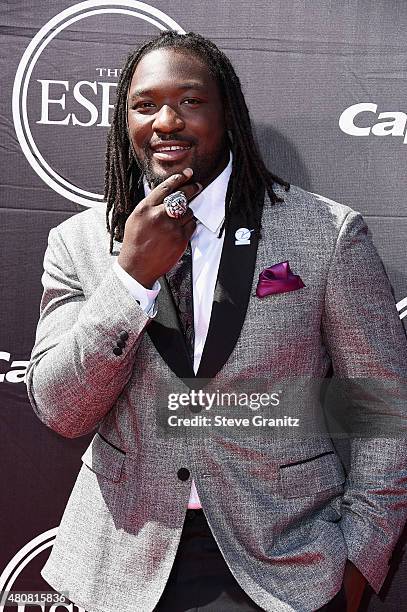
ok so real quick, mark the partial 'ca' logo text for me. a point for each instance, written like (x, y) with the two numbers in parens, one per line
(17, 371)
(363, 120)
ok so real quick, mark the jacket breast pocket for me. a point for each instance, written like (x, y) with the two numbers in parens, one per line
(311, 476)
(104, 458)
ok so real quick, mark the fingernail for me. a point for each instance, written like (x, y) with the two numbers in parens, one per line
(199, 185)
(188, 172)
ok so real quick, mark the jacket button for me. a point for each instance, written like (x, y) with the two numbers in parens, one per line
(117, 350)
(183, 474)
(120, 343)
(123, 335)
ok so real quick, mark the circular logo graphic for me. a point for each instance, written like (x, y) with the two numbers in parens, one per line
(242, 234)
(65, 19)
(20, 560)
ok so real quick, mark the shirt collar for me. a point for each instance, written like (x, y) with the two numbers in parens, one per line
(209, 205)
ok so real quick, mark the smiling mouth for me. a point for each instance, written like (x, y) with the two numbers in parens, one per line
(171, 152)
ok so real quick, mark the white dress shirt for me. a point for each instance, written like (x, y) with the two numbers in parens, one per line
(209, 209)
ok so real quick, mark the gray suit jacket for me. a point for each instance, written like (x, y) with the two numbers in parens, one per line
(282, 510)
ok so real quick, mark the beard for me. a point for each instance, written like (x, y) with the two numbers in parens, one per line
(202, 166)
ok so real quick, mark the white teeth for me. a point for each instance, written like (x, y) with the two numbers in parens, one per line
(174, 148)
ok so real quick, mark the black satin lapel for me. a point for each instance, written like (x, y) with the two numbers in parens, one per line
(231, 298)
(166, 335)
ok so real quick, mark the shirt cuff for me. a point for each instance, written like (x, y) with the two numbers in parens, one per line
(145, 298)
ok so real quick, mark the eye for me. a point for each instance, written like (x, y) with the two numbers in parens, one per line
(143, 105)
(192, 101)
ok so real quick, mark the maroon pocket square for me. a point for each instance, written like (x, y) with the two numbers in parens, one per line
(278, 279)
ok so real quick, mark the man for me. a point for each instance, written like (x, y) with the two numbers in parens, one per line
(272, 524)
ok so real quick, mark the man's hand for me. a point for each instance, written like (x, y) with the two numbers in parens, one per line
(354, 583)
(153, 242)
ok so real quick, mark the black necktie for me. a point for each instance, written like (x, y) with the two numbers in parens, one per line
(179, 279)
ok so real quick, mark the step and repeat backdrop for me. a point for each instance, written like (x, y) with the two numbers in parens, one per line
(326, 86)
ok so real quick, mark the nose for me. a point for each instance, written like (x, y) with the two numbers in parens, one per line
(167, 120)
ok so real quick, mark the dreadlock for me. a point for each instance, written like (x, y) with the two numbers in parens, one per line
(249, 178)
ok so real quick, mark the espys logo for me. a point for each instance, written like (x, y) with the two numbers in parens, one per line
(17, 564)
(393, 123)
(91, 97)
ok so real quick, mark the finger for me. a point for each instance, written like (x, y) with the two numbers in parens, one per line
(182, 220)
(197, 192)
(189, 228)
(191, 190)
(171, 184)
(186, 217)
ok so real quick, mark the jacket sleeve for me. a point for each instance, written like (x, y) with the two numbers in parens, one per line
(367, 344)
(74, 376)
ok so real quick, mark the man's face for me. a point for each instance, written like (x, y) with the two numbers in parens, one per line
(176, 117)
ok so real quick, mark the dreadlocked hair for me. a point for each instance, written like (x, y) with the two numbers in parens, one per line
(250, 177)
